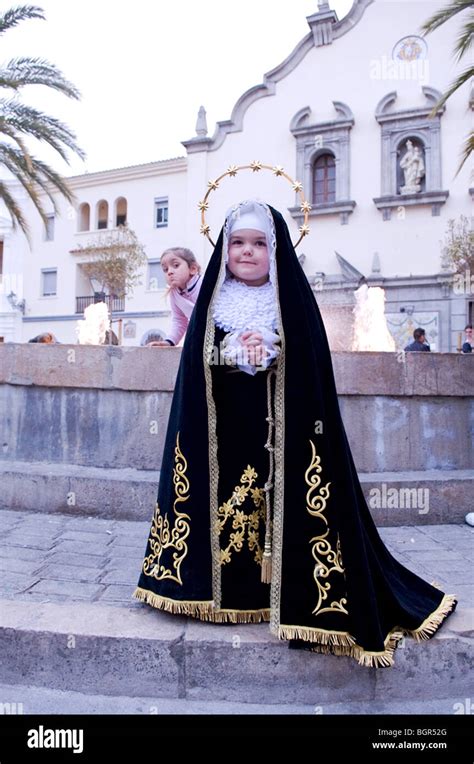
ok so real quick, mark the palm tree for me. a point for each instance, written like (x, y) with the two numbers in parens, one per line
(18, 122)
(464, 43)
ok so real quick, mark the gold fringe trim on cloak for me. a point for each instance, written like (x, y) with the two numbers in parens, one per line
(328, 642)
(343, 643)
(431, 624)
(202, 610)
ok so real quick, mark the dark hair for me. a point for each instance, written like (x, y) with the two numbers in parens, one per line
(418, 333)
(468, 326)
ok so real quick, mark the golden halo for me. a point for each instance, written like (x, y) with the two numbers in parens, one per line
(255, 166)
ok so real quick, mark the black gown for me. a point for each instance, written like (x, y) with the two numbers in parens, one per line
(242, 432)
(334, 585)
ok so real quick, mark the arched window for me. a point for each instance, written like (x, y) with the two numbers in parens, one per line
(84, 217)
(102, 214)
(120, 211)
(324, 179)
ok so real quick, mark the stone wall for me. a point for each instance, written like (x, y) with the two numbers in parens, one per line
(82, 428)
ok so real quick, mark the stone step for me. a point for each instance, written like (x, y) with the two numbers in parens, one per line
(122, 494)
(138, 652)
(68, 622)
(427, 497)
(395, 498)
(27, 699)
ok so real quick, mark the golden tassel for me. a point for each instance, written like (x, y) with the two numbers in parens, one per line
(267, 565)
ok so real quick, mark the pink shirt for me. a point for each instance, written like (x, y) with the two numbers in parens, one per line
(182, 305)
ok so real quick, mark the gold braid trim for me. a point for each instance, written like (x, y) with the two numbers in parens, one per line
(343, 643)
(431, 624)
(207, 350)
(279, 472)
(203, 610)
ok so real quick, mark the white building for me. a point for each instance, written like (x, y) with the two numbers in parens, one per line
(336, 114)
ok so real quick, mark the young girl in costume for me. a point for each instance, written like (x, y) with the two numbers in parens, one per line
(184, 278)
(260, 514)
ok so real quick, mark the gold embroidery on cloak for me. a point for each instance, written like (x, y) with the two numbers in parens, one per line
(241, 522)
(327, 559)
(162, 536)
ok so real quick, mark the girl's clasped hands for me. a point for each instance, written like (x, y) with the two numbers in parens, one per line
(255, 349)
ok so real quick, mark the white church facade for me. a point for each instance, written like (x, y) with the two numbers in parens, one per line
(347, 114)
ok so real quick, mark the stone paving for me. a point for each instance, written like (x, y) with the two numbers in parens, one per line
(51, 562)
(60, 558)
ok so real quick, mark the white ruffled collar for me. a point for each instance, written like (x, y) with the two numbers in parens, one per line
(239, 307)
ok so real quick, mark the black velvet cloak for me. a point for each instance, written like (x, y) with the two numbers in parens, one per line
(335, 587)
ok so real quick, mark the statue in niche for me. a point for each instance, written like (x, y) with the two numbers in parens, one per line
(413, 168)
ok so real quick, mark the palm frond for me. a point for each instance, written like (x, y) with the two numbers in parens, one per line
(465, 39)
(55, 179)
(30, 121)
(14, 210)
(13, 16)
(460, 80)
(444, 14)
(11, 133)
(35, 171)
(44, 184)
(468, 148)
(19, 121)
(24, 70)
(14, 161)
(40, 178)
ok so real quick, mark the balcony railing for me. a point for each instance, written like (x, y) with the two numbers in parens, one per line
(116, 303)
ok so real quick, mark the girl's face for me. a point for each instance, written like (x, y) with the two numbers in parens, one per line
(177, 270)
(248, 256)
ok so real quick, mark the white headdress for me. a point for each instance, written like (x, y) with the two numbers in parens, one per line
(238, 306)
